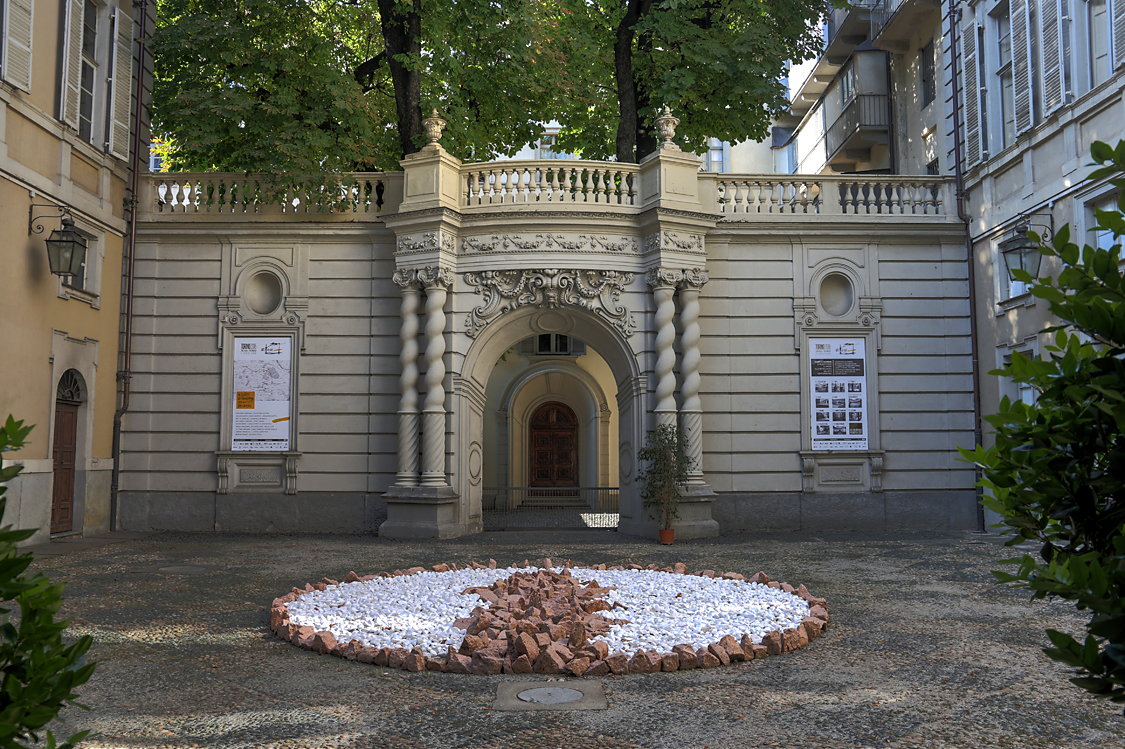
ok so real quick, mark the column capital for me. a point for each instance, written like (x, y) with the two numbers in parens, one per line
(433, 276)
(664, 277)
(694, 278)
(406, 278)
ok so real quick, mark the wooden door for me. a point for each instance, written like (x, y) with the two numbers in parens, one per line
(66, 438)
(554, 446)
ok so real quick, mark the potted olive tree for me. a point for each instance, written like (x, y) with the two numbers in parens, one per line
(666, 469)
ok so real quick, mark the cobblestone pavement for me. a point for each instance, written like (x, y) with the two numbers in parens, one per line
(924, 651)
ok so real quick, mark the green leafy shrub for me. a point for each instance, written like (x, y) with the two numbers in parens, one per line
(38, 672)
(1057, 469)
(667, 469)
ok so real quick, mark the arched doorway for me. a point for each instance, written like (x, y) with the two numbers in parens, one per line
(553, 447)
(69, 396)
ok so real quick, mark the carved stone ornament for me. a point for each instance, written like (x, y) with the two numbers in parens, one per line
(406, 278)
(670, 240)
(598, 291)
(695, 278)
(666, 124)
(658, 277)
(581, 243)
(433, 125)
(435, 275)
(427, 242)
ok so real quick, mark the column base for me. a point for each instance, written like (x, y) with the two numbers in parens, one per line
(422, 512)
(695, 519)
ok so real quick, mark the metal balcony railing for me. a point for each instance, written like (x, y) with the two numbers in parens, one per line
(865, 110)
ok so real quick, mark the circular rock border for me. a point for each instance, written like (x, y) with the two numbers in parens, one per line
(541, 622)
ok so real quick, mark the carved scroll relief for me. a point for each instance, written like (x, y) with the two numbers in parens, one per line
(580, 243)
(598, 291)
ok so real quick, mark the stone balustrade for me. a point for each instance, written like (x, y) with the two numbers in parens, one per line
(748, 196)
(549, 182)
(545, 185)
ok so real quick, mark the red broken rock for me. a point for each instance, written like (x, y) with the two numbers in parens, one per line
(414, 661)
(470, 644)
(351, 577)
(820, 613)
(813, 627)
(687, 656)
(719, 652)
(747, 644)
(774, 642)
(577, 636)
(458, 664)
(791, 639)
(381, 656)
(732, 576)
(734, 650)
(433, 664)
(526, 645)
(578, 666)
(618, 663)
(669, 662)
(598, 668)
(486, 664)
(549, 662)
(351, 650)
(704, 658)
(396, 657)
(366, 655)
(303, 637)
(760, 651)
(639, 663)
(522, 665)
(323, 642)
(443, 567)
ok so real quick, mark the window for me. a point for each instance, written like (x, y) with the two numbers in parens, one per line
(1020, 391)
(716, 160)
(1103, 239)
(1097, 35)
(88, 66)
(847, 85)
(1004, 73)
(932, 168)
(929, 82)
(552, 344)
(16, 20)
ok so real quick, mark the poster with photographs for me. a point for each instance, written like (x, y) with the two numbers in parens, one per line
(262, 371)
(839, 393)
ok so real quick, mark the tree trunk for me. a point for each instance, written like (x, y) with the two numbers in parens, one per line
(627, 103)
(402, 35)
(645, 137)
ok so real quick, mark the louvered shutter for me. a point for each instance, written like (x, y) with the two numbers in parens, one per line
(1021, 63)
(72, 64)
(121, 87)
(971, 71)
(18, 17)
(1117, 8)
(1050, 23)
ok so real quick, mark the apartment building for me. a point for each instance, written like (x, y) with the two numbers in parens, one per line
(68, 105)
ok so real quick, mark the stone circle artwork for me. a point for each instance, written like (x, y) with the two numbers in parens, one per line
(547, 619)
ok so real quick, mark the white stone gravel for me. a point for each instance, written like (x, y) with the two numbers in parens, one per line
(663, 609)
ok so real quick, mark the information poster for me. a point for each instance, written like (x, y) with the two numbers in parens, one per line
(262, 379)
(839, 393)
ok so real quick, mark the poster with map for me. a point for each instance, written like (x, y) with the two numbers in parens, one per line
(839, 393)
(262, 380)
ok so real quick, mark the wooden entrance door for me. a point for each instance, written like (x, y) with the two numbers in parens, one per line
(66, 438)
(554, 446)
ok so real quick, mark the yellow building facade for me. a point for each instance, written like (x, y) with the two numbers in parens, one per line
(67, 131)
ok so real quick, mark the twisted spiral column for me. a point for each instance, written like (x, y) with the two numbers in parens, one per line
(408, 437)
(692, 407)
(436, 281)
(663, 282)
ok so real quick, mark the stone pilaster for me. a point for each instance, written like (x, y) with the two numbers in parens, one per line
(663, 282)
(408, 416)
(436, 281)
(691, 409)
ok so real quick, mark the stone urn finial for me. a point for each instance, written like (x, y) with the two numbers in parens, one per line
(667, 126)
(434, 124)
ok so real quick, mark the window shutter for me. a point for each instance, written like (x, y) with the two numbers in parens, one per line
(71, 63)
(970, 70)
(1050, 21)
(1021, 63)
(122, 80)
(17, 43)
(1117, 8)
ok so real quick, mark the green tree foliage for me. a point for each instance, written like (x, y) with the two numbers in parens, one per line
(314, 86)
(38, 672)
(666, 469)
(1056, 474)
(719, 64)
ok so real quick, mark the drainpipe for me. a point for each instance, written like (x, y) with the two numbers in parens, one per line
(978, 436)
(124, 374)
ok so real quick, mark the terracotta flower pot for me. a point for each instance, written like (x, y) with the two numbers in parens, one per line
(667, 536)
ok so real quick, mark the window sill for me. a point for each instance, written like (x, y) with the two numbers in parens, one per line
(1026, 299)
(73, 292)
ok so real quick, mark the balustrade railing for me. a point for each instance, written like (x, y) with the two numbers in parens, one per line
(561, 181)
(748, 197)
(236, 194)
(865, 110)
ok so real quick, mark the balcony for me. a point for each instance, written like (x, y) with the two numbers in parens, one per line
(896, 23)
(847, 29)
(863, 123)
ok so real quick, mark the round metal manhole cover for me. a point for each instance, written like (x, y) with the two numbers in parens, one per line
(184, 569)
(550, 695)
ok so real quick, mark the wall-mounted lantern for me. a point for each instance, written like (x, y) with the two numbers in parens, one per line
(66, 248)
(1021, 253)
